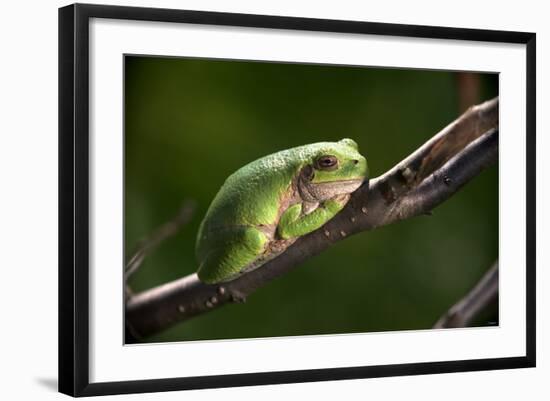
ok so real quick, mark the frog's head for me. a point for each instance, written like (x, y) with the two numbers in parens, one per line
(333, 168)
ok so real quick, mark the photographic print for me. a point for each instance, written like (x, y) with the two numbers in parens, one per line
(293, 199)
(253, 206)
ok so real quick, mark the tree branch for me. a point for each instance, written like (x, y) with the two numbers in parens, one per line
(425, 179)
(464, 311)
(162, 233)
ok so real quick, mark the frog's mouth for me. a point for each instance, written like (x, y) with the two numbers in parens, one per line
(327, 190)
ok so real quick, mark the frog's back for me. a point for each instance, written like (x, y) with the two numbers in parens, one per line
(252, 195)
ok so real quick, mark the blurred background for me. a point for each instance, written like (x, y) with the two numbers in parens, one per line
(189, 123)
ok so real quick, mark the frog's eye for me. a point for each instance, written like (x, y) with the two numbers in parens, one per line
(327, 163)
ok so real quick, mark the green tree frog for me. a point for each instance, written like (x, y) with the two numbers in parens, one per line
(268, 204)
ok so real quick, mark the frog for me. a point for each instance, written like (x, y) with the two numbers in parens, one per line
(268, 204)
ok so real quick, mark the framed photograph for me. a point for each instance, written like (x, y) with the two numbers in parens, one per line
(252, 199)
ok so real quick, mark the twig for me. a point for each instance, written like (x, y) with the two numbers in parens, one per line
(413, 187)
(464, 311)
(147, 245)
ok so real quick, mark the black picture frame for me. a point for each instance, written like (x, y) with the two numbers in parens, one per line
(74, 198)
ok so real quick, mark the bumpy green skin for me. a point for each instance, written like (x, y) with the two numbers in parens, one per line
(261, 208)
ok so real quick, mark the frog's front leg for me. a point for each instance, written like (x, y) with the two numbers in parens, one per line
(294, 223)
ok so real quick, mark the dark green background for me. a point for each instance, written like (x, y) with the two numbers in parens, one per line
(190, 123)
